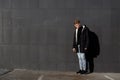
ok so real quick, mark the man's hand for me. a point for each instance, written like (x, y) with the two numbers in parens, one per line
(85, 48)
(74, 50)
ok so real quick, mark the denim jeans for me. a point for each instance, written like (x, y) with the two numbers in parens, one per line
(82, 59)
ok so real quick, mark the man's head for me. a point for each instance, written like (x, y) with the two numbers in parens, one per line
(77, 23)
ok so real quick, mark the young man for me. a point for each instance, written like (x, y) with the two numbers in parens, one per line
(80, 44)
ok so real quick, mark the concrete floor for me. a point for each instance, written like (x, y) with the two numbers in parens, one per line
(22, 74)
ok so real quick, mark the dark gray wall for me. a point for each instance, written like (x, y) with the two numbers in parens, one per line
(37, 34)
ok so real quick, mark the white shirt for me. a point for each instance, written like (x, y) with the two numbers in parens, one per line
(76, 34)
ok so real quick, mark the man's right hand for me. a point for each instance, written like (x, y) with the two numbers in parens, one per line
(74, 50)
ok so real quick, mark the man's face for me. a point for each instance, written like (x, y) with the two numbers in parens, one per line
(77, 26)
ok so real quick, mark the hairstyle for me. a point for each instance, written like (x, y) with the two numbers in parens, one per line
(77, 21)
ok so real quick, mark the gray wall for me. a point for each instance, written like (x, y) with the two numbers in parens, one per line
(37, 34)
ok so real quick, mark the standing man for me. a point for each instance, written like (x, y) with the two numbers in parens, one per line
(80, 44)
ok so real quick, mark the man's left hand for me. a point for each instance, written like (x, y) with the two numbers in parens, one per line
(85, 48)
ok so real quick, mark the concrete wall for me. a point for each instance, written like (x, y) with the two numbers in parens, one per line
(37, 34)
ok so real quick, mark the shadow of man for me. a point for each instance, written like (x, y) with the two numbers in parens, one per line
(93, 51)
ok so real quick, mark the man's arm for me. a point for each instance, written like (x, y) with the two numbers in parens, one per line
(87, 39)
(74, 44)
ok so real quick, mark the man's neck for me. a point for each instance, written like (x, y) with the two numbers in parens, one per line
(78, 27)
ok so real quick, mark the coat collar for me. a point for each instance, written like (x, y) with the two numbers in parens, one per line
(83, 27)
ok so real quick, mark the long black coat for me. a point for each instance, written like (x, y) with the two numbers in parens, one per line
(94, 46)
(83, 39)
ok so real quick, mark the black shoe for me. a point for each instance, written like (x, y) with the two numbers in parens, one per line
(78, 72)
(83, 72)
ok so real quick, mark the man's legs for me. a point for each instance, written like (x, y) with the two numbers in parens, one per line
(91, 64)
(82, 60)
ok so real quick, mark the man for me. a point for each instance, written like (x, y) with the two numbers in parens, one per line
(80, 44)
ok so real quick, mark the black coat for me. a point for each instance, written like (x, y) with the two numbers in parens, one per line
(83, 39)
(94, 46)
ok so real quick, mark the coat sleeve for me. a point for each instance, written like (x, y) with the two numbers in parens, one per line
(74, 42)
(87, 38)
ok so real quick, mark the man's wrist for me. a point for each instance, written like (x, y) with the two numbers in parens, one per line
(85, 48)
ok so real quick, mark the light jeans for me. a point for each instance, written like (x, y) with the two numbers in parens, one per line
(82, 59)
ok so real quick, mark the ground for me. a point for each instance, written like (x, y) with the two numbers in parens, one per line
(23, 74)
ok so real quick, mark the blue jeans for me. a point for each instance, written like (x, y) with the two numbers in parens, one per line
(82, 59)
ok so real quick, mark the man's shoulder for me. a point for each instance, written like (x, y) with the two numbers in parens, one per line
(86, 28)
